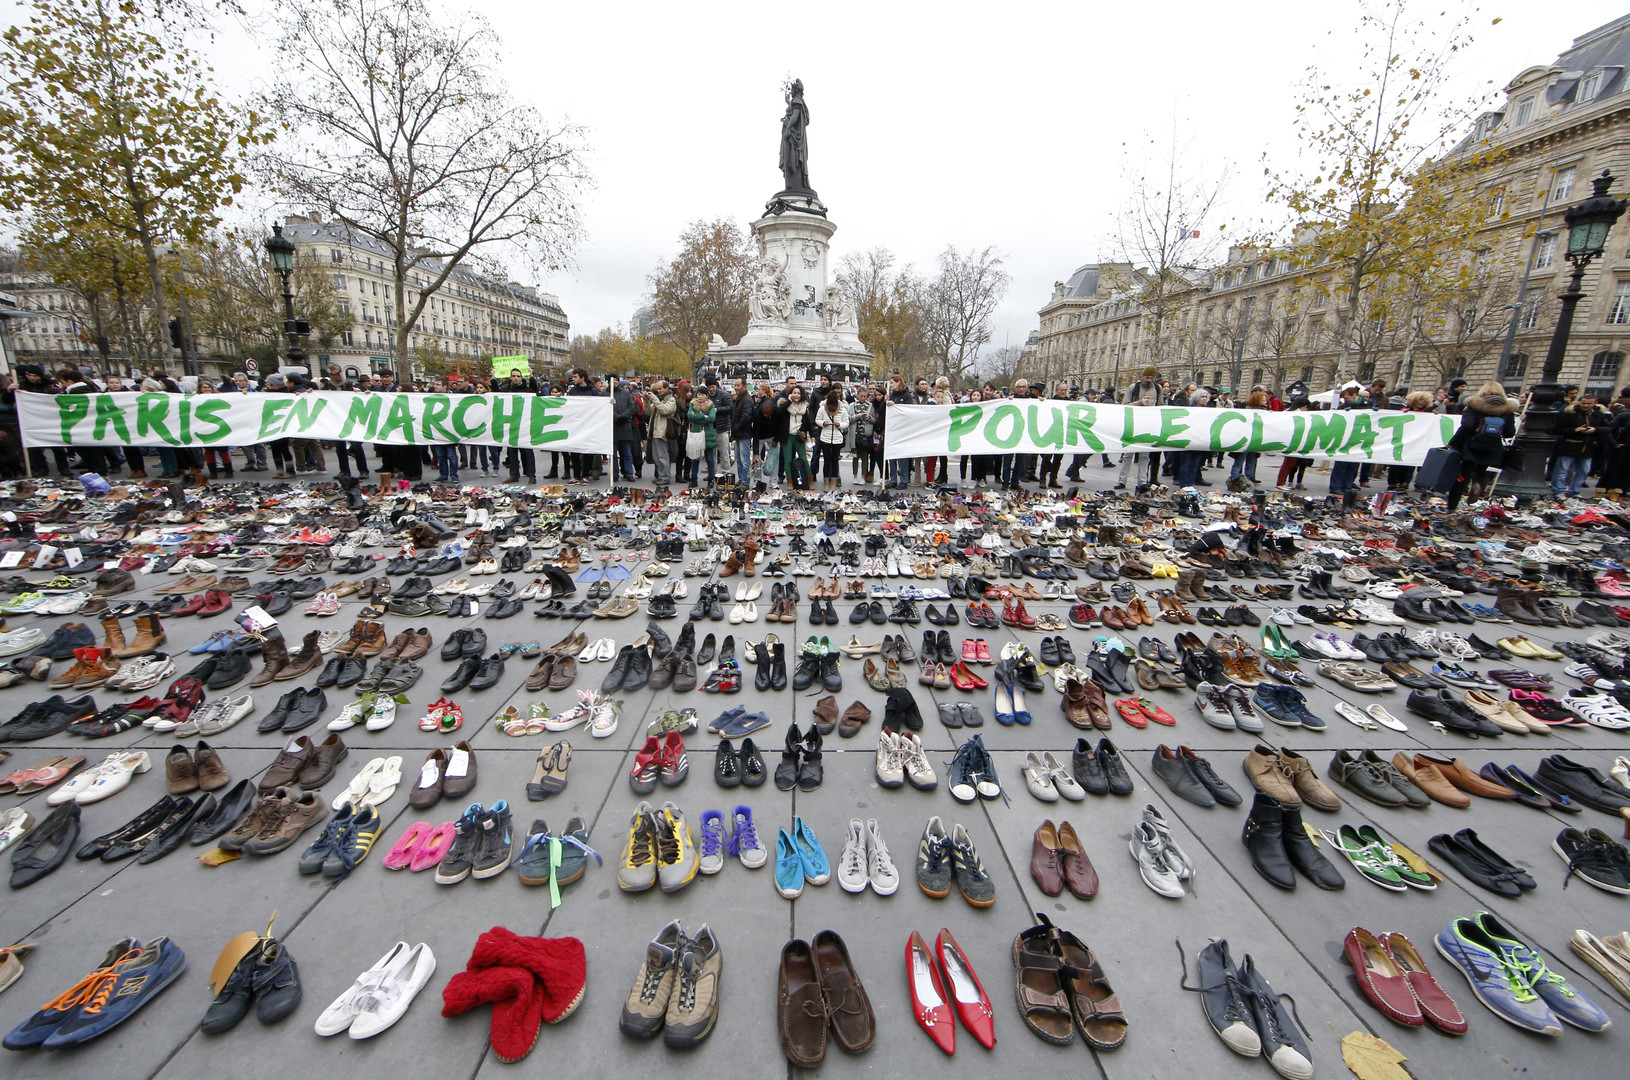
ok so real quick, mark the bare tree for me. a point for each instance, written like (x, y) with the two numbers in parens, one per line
(400, 128)
(703, 290)
(957, 307)
(889, 306)
(1168, 229)
(1004, 365)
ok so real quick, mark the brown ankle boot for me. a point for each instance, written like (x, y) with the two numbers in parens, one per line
(373, 640)
(749, 559)
(274, 653)
(731, 565)
(303, 661)
(359, 634)
(149, 636)
(113, 635)
(99, 668)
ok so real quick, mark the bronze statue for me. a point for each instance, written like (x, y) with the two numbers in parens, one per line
(794, 142)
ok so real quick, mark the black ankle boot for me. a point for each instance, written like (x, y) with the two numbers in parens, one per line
(786, 773)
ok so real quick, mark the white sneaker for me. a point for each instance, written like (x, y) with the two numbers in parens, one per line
(884, 877)
(890, 762)
(1149, 852)
(383, 714)
(1283, 616)
(915, 761)
(1376, 613)
(16, 641)
(749, 849)
(852, 863)
(349, 717)
(112, 776)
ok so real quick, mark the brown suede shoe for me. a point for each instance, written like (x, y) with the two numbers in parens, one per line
(274, 654)
(854, 1025)
(826, 714)
(800, 1012)
(212, 774)
(1270, 775)
(1313, 791)
(851, 720)
(286, 823)
(459, 778)
(180, 772)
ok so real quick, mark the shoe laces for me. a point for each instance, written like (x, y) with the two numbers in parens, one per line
(745, 837)
(713, 841)
(642, 842)
(1591, 855)
(669, 844)
(854, 853)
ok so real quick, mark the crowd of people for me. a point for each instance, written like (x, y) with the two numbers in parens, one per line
(762, 434)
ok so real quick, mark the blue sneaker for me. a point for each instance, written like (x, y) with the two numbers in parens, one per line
(118, 992)
(1566, 1002)
(1499, 983)
(39, 1027)
(789, 869)
(221, 641)
(817, 870)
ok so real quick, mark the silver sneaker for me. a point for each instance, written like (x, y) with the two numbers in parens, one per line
(1149, 852)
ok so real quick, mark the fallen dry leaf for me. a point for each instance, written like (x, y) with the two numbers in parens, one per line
(1370, 1058)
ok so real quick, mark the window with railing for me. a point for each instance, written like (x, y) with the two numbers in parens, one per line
(1606, 364)
(1619, 310)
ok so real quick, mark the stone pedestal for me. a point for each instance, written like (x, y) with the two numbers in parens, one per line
(799, 324)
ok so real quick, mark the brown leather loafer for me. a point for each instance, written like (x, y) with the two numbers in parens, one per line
(800, 1014)
(1425, 775)
(427, 789)
(1079, 874)
(854, 1026)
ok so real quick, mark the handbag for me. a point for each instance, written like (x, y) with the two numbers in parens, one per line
(695, 444)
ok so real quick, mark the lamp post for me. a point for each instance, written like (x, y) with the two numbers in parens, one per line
(1588, 225)
(281, 249)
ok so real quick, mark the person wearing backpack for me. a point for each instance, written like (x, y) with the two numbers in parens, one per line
(1487, 419)
(1576, 444)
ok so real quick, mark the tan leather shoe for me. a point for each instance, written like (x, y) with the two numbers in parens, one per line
(1425, 775)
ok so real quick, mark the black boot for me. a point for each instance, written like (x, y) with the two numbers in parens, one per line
(778, 667)
(1303, 855)
(786, 773)
(762, 659)
(1264, 838)
(809, 770)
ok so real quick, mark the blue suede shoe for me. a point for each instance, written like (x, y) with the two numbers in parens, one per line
(817, 870)
(789, 869)
(123, 989)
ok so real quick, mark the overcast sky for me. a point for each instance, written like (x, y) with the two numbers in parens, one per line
(1013, 125)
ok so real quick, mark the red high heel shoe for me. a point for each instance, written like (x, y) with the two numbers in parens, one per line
(928, 1001)
(967, 994)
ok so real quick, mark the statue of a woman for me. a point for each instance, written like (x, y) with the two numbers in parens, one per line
(794, 142)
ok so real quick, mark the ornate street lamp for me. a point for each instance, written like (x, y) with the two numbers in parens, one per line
(1588, 225)
(281, 250)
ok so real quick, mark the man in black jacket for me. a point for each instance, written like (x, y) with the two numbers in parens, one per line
(742, 409)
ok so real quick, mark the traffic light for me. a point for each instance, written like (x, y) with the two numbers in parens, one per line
(175, 333)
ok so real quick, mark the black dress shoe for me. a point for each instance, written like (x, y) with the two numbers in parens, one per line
(461, 676)
(453, 646)
(228, 811)
(1265, 840)
(331, 671)
(475, 644)
(47, 847)
(352, 670)
(639, 671)
(613, 682)
(273, 720)
(753, 771)
(488, 672)
(504, 608)
(306, 709)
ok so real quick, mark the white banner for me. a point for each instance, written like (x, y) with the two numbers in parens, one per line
(580, 424)
(1383, 437)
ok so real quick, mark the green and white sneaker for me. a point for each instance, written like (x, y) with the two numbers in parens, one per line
(682, 721)
(1374, 858)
